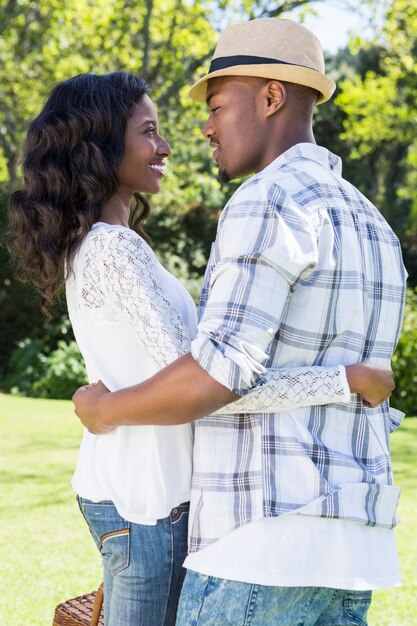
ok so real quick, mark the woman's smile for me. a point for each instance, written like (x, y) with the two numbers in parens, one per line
(157, 167)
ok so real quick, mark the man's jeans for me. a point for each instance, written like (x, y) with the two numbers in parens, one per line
(206, 600)
(143, 571)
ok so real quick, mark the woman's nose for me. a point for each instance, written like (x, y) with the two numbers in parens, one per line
(164, 147)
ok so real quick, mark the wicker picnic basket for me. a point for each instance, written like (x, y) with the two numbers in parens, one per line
(84, 610)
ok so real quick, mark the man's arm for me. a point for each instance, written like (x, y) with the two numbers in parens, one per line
(178, 394)
(184, 387)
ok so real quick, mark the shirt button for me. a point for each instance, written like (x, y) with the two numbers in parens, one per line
(174, 511)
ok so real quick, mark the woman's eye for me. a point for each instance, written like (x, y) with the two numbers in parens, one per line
(214, 109)
(151, 132)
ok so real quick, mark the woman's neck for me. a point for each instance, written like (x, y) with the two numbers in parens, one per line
(116, 210)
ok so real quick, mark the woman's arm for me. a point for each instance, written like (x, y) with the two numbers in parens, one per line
(289, 388)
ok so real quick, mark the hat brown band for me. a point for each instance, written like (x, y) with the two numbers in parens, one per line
(222, 63)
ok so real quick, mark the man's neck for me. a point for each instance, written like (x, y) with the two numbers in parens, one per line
(284, 144)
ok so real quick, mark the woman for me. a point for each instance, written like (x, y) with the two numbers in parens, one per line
(90, 152)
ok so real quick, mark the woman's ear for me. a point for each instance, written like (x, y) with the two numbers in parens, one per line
(276, 96)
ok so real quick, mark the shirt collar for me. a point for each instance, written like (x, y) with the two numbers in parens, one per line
(309, 152)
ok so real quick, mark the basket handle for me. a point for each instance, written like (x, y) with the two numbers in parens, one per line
(98, 603)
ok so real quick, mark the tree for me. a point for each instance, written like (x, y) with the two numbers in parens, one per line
(381, 119)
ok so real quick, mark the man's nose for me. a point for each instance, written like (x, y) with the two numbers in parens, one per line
(208, 129)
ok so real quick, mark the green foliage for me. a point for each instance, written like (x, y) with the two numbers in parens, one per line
(26, 365)
(65, 371)
(404, 362)
(46, 367)
(380, 122)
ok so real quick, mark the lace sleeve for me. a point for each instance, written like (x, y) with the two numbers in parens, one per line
(289, 388)
(133, 278)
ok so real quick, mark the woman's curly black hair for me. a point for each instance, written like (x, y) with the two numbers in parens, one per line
(71, 156)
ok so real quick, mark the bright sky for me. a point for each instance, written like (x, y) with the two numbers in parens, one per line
(333, 24)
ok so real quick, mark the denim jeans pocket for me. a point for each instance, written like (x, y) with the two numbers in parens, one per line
(110, 532)
(178, 512)
(356, 608)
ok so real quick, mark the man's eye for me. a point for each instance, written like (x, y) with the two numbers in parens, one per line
(151, 131)
(214, 109)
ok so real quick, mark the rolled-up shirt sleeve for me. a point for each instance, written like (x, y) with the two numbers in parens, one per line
(265, 243)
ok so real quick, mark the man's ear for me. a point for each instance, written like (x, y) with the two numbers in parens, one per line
(275, 95)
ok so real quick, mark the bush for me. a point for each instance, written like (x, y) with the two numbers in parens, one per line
(26, 364)
(65, 371)
(51, 367)
(404, 362)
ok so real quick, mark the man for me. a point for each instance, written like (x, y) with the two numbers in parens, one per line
(291, 514)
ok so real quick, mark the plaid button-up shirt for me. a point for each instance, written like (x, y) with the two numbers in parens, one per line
(304, 271)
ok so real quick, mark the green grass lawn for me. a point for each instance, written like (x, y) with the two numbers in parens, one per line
(46, 553)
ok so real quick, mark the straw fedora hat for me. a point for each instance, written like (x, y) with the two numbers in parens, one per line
(269, 48)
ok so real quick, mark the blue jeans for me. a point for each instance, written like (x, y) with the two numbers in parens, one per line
(143, 571)
(206, 600)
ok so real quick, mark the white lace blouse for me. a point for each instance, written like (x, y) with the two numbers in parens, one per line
(131, 318)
